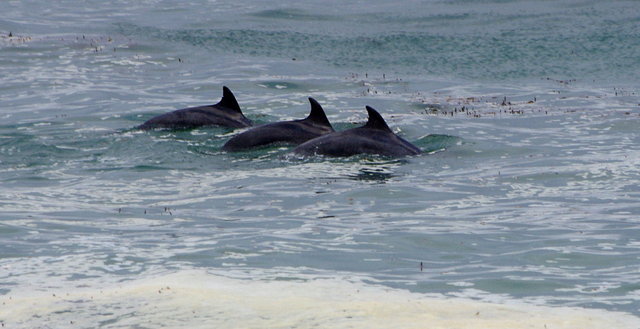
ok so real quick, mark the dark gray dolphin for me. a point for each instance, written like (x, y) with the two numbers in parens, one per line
(290, 132)
(226, 113)
(374, 137)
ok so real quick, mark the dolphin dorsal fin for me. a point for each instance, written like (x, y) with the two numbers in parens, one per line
(317, 114)
(376, 121)
(228, 100)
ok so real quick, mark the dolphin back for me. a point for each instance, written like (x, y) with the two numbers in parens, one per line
(375, 137)
(289, 132)
(225, 113)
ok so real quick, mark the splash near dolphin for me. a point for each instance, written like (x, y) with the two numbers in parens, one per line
(226, 113)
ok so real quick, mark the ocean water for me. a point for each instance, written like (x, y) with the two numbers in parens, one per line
(522, 212)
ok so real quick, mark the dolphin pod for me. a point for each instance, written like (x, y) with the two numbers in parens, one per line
(313, 135)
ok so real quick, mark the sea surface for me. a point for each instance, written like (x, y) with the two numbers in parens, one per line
(522, 212)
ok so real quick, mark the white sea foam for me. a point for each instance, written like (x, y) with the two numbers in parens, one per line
(196, 299)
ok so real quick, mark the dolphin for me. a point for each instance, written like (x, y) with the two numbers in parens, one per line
(226, 113)
(290, 132)
(374, 137)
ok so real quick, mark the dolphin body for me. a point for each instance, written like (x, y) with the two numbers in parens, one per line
(290, 132)
(226, 113)
(374, 137)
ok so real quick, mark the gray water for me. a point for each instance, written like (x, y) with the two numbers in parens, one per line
(527, 112)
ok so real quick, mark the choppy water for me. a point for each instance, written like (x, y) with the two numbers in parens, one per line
(527, 193)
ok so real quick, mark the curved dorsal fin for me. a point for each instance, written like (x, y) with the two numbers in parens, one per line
(376, 121)
(317, 114)
(228, 100)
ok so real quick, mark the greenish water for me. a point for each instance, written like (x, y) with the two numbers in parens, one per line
(527, 112)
